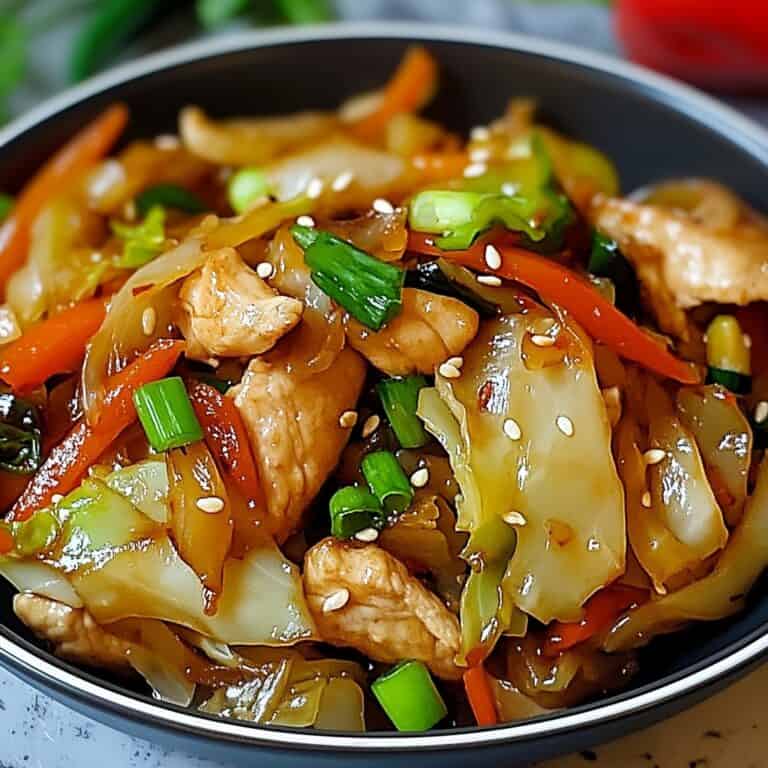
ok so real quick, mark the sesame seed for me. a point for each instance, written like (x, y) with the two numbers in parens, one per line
(645, 499)
(305, 221)
(367, 535)
(474, 170)
(512, 429)
(761, 411)
(264, 270)
(489, 280)
(479, 133)
(456, 362)
(371, 425)
(380, 205)
(492, 257)
(167, 141)
(449, 371)
(210, 504)
(540, 340)
(420, 478)
(314, 188)
(653, 456)
(747, 340)
(565, 425)
(56, 498)
(509, 189)
(480, 155)
(148, 321)
(336, 600)
(348, 419)
(342, 181)
(513, 518)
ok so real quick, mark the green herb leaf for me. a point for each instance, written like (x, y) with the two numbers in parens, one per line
(13, 44)
(304, 11)
(19, 435)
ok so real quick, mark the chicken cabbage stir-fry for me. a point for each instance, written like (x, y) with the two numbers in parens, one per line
(345, 421)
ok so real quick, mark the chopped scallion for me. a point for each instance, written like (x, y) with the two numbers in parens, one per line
(143, 241)
(607, 260)
(166, 413)
(168, 196)
(354, 509)
(246, 186)
(728, 355)
(387, 481)
(400, 398)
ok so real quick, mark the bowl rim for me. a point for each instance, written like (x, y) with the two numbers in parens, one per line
(46, 670)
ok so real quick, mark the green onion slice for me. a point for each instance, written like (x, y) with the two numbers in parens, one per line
(246, 186)
(400, 398)
(369, 289)
(143, 241)
(409, 697)
(166, 414)
(354, 509)
(387, 481)
(728, 355)
(607, 260)
(168, 196)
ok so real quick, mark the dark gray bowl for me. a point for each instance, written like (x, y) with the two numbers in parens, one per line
(653, 127)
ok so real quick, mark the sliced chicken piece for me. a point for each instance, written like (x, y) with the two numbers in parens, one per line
(293, 425)
(73, 632)
(683, 260)
(364, 598)
(227, 310)
(430, 329)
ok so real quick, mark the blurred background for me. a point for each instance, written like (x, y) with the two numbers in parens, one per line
(721, 45)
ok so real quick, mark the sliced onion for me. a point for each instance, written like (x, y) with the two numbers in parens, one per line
(40, 579)
(10, 330)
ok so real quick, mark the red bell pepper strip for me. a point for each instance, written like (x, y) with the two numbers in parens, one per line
(71, 458)
(6, 541)
(553, 282)
(56, 176)
(55, 345)
(480, 696)
(227, 439)
(600, 612)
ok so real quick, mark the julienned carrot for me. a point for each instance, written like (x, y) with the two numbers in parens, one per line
(554, 282)
(480, 696)
(70, 459)
(227, 439)
(55, 345)
(600, 612)
(411, 87)
(83, 150)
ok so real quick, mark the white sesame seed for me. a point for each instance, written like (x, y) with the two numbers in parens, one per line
(541, 340)
(264, 270)
(148, 321)
(167, 141)
(420, 478)
(371, 425)
(479, 133)
(654, 456)
(761, 411)
(512, 429)
(474, 170)
(449, 371)
(56, 498)
(565, 425)
(492, 257)
(314, 188)
(489, 280)
(456, 362)
(210, 504)
(645, 499)
(336, 600)
(747, 340)
(305, 221)
(513, 518)
(480, 155)
(342, 181)
(348, 419)
(367, 535)
(380, 205)
(509, 189)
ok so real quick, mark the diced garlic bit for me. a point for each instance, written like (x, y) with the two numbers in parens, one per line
(348, 419)
(210, 504)
(336, 600)
(474, 170)
(371, 425)
(492, 257)
(420, 478)
(305, 221)
(367, 535)
(540, 340)
(148, 321)
(513, 518)
(456, 362)
(449, 371)
(565, 425)
(512, 429)
(761, 411)
(645, 499)
(380, 205)
(264, 270)
(314, 188)
(491, 280)
(653, 456)
(342, 181)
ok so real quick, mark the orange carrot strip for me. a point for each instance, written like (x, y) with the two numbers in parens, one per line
(480, 696)
(6, 541)
(83, 150)
(71, 458)
(55, 345)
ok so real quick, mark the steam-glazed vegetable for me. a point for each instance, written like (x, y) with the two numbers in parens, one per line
(412, 400)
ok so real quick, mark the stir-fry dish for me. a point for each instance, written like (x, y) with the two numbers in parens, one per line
(346, 421)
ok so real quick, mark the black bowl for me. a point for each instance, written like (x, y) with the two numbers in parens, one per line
(651, 126)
